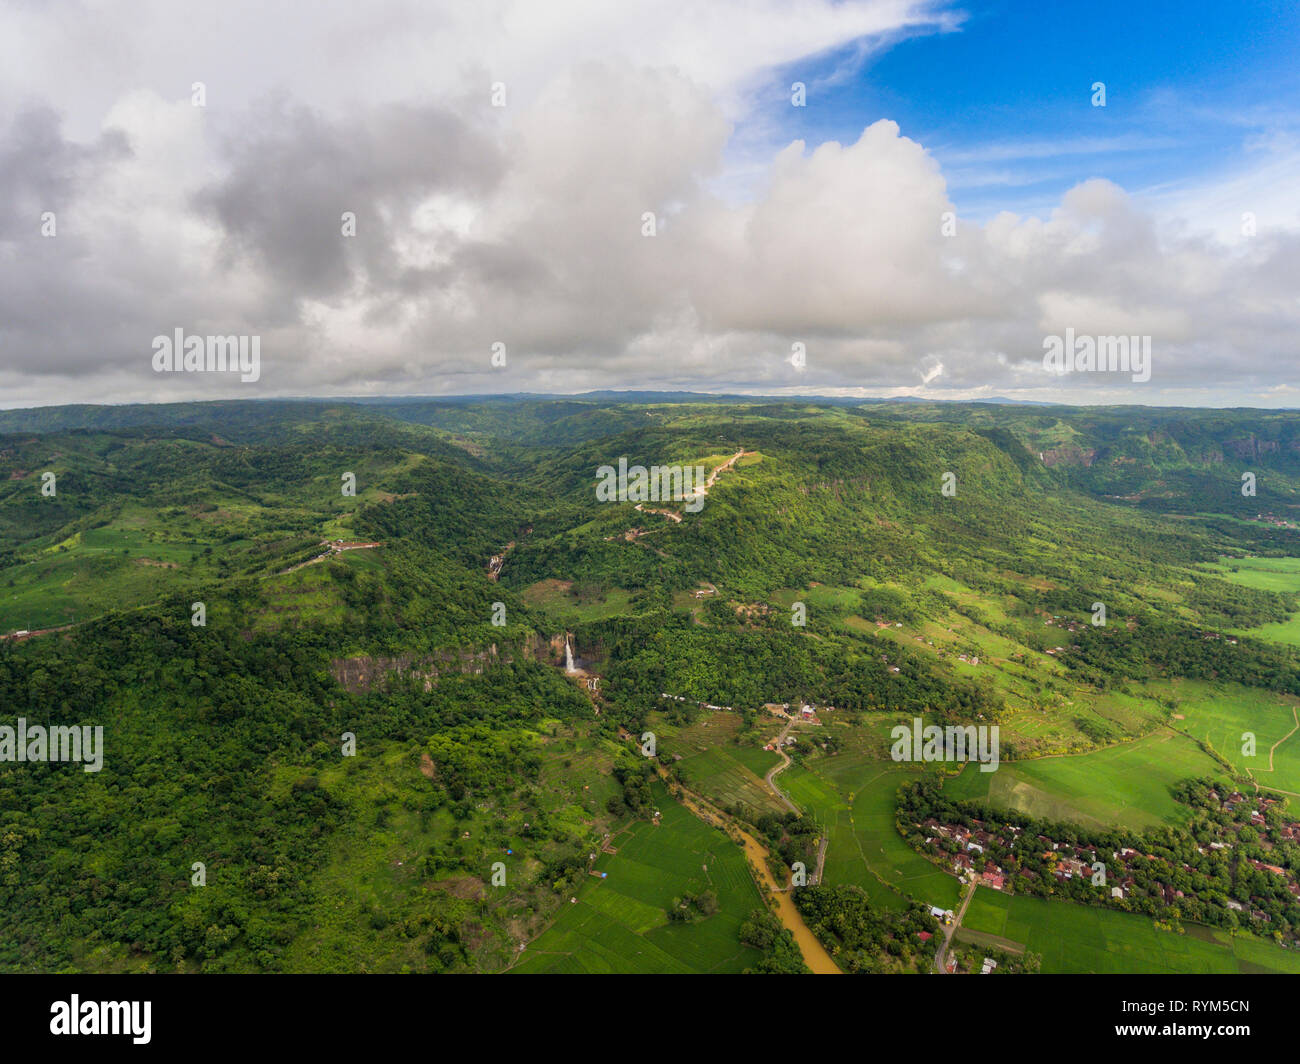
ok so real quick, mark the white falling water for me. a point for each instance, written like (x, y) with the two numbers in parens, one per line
(568, 657)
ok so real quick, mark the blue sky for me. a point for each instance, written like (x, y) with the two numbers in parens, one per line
(1004, 100)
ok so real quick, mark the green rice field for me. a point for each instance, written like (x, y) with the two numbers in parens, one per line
(619, 924)
(1083, 938)
(1126, 784)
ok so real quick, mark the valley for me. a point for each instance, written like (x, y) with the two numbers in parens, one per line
(495, 639)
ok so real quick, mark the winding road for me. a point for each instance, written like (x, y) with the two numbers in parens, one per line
(781, 796)
(775, 770)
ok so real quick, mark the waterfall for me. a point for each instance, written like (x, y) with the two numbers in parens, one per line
(568, 656)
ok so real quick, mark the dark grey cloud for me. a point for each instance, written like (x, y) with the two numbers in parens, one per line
(41, 170)
(293, 172)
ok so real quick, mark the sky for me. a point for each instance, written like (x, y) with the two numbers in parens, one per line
(863, 197)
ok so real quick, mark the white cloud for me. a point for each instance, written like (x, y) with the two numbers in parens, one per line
(524, 225)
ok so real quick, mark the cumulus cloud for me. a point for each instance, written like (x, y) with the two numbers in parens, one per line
(526, 225)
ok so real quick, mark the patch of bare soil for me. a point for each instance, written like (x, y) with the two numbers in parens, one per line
(466, 887)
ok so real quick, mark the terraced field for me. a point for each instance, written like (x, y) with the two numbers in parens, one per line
(712, 764)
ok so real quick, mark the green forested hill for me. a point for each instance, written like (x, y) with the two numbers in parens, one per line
(223, 742)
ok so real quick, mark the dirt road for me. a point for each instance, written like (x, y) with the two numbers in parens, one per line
(951, 930)
(775, 770)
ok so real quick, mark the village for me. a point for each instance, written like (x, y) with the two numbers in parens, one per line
(1219, 867)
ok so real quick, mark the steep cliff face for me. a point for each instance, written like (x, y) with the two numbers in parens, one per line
(545, 650)
(365, 672)
(1251, 447)
(1055, 456)
(552, 651)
